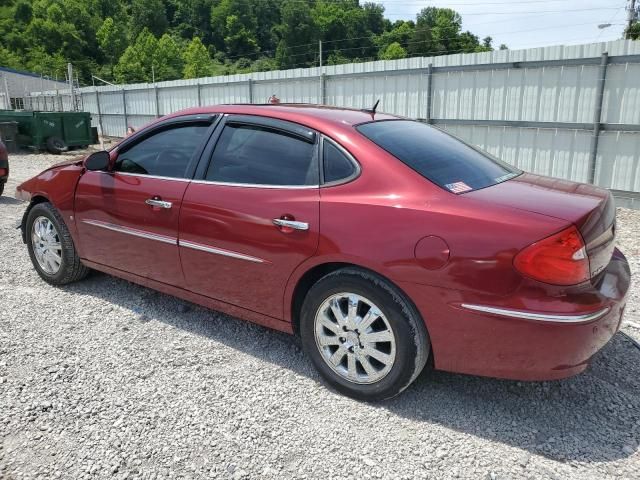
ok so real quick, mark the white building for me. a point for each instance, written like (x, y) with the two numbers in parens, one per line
(15, 85)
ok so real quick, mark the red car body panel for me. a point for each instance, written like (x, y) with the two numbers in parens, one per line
(444, 251)
(117, 199)
(239, 220)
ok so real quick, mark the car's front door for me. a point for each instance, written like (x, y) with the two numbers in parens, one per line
(127, 218)
(254, 214)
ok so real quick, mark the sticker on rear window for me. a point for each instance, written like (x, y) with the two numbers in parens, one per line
(458, 187)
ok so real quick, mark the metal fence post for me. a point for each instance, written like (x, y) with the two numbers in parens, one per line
(250, 85)
(155, 94)
(124, 109)
(323, 88)
(597, 116)
(99, 112)
(198, 88)
(429, 92)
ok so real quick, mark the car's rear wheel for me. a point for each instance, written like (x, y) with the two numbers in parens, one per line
(1, 188)
(51, 247)
(366, 340)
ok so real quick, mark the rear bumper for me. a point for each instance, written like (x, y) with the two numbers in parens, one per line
(555, 337)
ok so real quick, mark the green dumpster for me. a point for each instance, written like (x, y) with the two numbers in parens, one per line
(54, 131)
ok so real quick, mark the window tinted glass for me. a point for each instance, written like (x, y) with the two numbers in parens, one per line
(336, 165)
(443, 159)
(166, 154)
(259, 156)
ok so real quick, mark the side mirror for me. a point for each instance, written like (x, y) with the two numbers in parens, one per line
(98, 161)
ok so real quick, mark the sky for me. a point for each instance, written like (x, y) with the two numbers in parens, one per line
(527, 23)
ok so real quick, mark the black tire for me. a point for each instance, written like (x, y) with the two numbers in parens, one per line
(412, 341)
(1, 188)
(56, 145)
(71, 268)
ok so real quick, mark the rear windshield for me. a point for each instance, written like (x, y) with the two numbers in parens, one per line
(437, 156)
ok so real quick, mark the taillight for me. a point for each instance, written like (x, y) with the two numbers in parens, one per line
(3, 172)
(560, 259)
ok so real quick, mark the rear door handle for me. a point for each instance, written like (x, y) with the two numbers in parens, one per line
(280, 222)
(156, 202)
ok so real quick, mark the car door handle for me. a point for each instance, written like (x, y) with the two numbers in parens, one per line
(281, 222)
(156, 202)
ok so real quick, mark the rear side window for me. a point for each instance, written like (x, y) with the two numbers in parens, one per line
(164, 154)
(251, 154)
(437, 156)
(336, 165)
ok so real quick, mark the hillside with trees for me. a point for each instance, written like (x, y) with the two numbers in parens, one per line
(128, 41)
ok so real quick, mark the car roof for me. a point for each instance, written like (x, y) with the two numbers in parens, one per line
(315, 116)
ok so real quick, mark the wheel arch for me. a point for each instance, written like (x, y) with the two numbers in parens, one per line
(35, 200)
(316, 272)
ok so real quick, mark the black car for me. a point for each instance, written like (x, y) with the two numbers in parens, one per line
(4, 166)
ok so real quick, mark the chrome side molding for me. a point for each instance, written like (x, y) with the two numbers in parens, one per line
(542, 317)
(219, 251)
(131, 231)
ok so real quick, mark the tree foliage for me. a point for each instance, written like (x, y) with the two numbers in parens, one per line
(143, 40)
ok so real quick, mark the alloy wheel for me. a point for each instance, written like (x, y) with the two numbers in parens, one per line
(46, 245)
(355, 338)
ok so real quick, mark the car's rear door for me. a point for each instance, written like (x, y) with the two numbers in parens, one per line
(128, 218)
(253, 215)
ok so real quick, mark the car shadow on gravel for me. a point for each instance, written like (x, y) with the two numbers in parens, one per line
(9, 201)
(593, 417)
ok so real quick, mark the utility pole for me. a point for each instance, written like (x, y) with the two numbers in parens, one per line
(320, 43)
(70, 75)
(6, 92)
(632, 17)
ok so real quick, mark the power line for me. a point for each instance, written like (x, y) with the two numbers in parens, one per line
(466, 14)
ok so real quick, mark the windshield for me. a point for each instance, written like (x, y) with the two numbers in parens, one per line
(438, 156)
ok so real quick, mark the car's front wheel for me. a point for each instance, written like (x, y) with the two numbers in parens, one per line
(51, 247)
(363, 336)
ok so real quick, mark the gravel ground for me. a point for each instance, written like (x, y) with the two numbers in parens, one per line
(106, 379)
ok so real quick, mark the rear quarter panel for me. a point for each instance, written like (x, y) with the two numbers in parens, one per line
(377, 220)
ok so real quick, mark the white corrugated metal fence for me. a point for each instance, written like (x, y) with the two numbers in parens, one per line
(567, 111)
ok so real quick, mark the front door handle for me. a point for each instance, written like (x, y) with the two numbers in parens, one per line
(156, 202)
(281, 222)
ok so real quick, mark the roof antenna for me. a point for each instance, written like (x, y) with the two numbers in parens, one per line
(372, 111)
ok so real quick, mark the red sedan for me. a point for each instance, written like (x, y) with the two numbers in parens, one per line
(383, 242)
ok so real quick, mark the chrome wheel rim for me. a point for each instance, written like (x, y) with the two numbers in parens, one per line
(46, 245)
(355, 338)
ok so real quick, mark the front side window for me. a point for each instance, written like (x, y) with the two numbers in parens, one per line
(336, 165)
(437, 156)
(256, 155)
(164, 154)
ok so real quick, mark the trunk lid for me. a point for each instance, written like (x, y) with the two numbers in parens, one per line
(591, 209)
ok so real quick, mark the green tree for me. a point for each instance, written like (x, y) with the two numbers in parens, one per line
(400, 32)
(234, 20)
(167, 59)
(238, 40)
(197, 62)
(192, 18)
(633, 32)
(23, 12)
(267, 13)
(149, 14)
(10, 59)
(297, 28)
(135, 64)
(393, 52)
(112, 39)
(50, 65)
